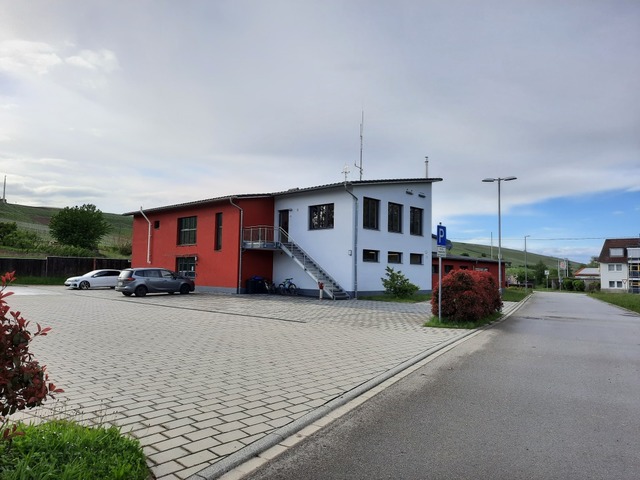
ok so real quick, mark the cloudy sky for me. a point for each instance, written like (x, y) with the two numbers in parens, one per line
(125, 104)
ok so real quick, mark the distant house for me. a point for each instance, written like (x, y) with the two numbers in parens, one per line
(341, 235)
(588, 275)
(620, 265)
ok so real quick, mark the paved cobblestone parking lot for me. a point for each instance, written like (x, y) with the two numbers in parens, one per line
(202, 376)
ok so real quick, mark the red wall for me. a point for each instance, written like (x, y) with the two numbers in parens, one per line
(470, 264)
(214, 268)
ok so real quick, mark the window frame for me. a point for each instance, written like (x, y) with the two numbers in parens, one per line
(373, 257)
(394, 258)
(321, 216)
(394, 217)
(415, 224)
(187, 233)
(370, 213)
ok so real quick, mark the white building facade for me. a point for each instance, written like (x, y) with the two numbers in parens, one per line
(355, 230)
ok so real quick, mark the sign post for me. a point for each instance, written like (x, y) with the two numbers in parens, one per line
(441, 235)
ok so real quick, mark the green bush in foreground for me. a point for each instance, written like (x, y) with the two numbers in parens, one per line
(62, 449)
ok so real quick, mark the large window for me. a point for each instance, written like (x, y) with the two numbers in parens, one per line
(615, 267)
(187, 230)
(395, 218)
(415, 215)
(218, 239)
(371, 213)
(321, 216)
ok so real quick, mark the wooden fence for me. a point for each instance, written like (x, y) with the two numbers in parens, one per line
(58, 266)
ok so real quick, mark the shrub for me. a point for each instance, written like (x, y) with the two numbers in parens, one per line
(593, 287)
(467, 296)
(397, 285)
(567, 284)
(578, 285)
(24, 383)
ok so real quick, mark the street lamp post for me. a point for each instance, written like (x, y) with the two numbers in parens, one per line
(526, 277)
(499, 180)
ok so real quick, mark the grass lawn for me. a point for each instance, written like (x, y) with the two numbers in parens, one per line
(66, 450)
(630, 301)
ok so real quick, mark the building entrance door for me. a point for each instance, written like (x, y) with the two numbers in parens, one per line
(283, 223)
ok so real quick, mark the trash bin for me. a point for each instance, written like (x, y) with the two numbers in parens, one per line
(256, 284)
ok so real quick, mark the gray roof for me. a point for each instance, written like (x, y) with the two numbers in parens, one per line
(290, 191)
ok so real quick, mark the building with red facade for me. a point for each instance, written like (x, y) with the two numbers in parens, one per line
(342, 236)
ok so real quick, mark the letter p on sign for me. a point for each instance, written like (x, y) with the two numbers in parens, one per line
(441, 235)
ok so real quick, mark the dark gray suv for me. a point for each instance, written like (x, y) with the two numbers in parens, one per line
(140, 281)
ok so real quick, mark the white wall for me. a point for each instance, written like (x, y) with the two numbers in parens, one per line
(335, 250)
(617, 276)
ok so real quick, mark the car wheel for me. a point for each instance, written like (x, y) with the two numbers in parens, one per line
(126, 294)
(184, 289)
(84, 285)
(141, 291)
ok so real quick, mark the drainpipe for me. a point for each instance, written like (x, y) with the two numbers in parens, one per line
(238, 289)
(148, 237)
(355, 243)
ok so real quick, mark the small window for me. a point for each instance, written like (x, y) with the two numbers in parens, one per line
(218, 239)
(156, 224)
(187, 230)
(394, 257)
(619, 284)
(612, 284)
(435, 269)
(371, 213)
(186, 265)
(415, 258)
(321, 216)
(395, 218)
(611, 267)
(616, 252)
(370, 256)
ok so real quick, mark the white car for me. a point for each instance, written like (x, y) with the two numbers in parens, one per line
(106, 278)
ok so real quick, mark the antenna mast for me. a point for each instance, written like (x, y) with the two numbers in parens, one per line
(361, 142)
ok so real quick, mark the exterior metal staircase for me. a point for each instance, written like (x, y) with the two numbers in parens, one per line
(277, 239)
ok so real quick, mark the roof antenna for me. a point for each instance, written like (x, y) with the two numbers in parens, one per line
(426, 167)
(359, 167)
(345, 172)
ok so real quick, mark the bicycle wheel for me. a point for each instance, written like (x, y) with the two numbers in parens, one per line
(292, 289)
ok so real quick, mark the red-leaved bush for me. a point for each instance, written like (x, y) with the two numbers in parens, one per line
(467, 295)
(24, 383)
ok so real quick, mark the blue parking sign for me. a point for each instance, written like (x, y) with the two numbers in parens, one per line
(441, 234)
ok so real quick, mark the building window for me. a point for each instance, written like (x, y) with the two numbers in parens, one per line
(187, 230)
(218, 233)
(619, 284)
(616, 252)
(321, 216)
(370, 256)
(371, 213)
(615, 267)
(156, 224)
(435, 269)
(447, 268)
(415, 226)
(186, 266)
(415, 258)
(394, 257)
(395, 218)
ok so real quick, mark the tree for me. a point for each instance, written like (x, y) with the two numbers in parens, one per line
(539, 270)
(79, 226)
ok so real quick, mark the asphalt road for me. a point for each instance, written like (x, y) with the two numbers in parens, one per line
(551, 393)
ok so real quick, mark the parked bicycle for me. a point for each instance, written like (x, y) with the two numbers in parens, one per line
(270, 287)
(287, 287)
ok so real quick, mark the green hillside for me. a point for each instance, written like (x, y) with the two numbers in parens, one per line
(514, 257)
(37, 219)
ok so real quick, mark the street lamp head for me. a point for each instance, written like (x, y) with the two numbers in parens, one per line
(506, 179)
(489, 180)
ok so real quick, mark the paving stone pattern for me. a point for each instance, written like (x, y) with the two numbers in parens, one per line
(198, 377)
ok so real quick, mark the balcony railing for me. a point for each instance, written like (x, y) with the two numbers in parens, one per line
(264, 237)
